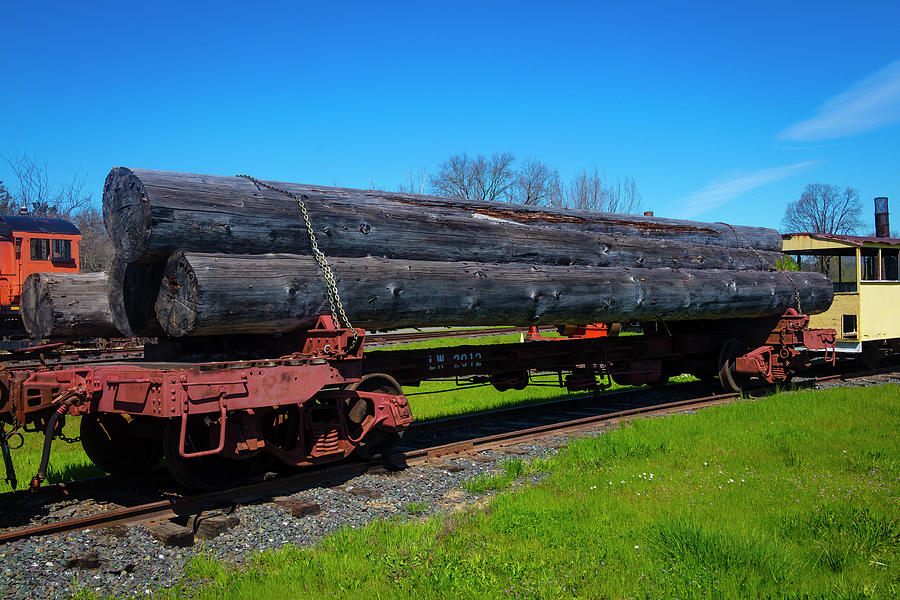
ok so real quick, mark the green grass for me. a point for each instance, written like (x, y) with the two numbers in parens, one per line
(452, 342)
(67, 461)
(442, 399)
(793, 496)
(416, 508)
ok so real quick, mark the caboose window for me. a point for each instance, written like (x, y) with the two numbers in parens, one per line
(62, 248)
(890, 265)
(40, 249)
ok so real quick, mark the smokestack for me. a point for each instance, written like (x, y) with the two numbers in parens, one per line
(882, 224)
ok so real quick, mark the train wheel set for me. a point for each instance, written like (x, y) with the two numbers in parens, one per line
(217, 423)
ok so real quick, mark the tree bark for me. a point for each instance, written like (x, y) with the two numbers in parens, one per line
(132, 297)
(214, 294)
(67, 305)
(150, 214)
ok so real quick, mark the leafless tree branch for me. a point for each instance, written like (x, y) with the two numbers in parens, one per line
(416, 180)
(536, 184)
(478, 178)
(824, 208)
(40, 197)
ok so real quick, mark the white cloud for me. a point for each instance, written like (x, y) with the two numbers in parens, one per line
(870, 104)
(720, 191)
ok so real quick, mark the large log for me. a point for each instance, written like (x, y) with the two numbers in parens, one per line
(132, 297)
(67, 305)
(150, 214)
(214, 294)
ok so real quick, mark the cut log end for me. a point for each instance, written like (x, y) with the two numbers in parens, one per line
(179, 296)
(36, 307)
(126, 213)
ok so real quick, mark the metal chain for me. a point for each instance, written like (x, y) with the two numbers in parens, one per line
(331, 290)
(764, 260)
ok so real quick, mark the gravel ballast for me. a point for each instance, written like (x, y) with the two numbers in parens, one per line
(134, 563)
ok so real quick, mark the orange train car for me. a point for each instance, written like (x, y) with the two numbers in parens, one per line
(33, 245)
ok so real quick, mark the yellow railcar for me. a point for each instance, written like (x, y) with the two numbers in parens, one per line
(866, 275)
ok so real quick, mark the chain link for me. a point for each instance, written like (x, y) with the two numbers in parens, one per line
(331, 290)
(763, 259)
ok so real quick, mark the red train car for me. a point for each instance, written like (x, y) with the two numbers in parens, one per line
(33, 245)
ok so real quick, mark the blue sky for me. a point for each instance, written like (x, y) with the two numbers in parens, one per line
(720, 111)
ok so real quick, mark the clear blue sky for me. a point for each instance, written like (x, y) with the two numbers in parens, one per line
(719, 110)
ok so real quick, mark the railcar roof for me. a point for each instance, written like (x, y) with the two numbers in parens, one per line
(11, 223)
(850, 240)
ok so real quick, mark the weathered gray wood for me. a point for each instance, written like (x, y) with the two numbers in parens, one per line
(149, 214)
(132, 297)
(214, 294)
(67, 305)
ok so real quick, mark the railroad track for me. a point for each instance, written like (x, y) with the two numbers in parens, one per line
(420, 453)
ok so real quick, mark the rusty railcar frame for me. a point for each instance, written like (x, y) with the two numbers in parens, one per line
(331, 397)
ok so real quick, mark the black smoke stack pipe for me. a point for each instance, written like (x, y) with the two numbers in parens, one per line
(882, 224)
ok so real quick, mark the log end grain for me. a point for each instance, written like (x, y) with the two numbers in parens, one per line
(179, 297)
(126, 213)
(36, 306)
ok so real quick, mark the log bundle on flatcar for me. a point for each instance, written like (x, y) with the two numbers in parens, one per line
(260, 356)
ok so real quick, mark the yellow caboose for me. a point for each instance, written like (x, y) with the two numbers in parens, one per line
(866, 276)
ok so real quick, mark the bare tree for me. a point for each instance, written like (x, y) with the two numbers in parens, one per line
(95, 252)
(476, 178)
(536, 184)
(40, 197)
(623, 197)
(587, 191)
(824, 208)
(67, 201)
(7, 202)
(416, 180)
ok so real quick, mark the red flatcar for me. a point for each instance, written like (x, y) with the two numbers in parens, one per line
(33, 245)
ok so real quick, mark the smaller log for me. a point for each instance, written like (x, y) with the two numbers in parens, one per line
(67, 305)
(132, 297)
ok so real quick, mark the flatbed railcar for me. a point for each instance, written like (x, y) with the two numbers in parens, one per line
(315, 396)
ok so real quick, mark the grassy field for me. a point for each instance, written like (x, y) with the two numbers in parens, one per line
(431, 400)
(793, 496)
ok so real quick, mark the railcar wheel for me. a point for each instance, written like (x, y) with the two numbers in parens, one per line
(376, 442)
(114, 443)
(730, 379)
(204, 473)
